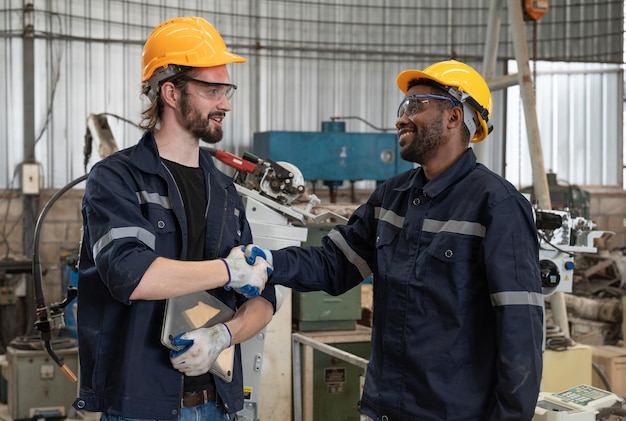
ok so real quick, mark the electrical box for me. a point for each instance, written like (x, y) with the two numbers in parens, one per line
(337, 383)
(8, 295)
(37, 388)
(30, 179)
(331, 387)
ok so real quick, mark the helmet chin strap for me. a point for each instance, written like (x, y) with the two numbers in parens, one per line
(159, 76)
(468, 118)
(468, 112)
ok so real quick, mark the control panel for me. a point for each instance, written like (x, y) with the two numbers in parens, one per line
(580, 403)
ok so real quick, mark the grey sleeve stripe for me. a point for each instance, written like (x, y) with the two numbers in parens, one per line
(141, 234)
(389, 216)
(459, 227)
(352, 257)
(144, 197)
(515, 298)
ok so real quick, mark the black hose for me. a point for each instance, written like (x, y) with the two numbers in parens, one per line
(44, 324)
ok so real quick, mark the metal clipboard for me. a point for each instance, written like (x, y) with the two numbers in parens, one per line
(194, 311)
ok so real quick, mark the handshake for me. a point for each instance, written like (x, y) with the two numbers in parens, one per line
(248, 269)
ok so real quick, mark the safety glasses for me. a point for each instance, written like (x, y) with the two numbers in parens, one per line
(415, 104)
(213, 90)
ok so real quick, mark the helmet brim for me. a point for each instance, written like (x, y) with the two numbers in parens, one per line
(406, 76)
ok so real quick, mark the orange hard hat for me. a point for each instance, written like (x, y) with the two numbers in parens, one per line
(188, 41)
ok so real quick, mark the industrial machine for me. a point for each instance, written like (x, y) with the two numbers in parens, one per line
(563, 194)
(12, 298)
(334, 155)
(560, 236)
(37, 389)
(268, 188)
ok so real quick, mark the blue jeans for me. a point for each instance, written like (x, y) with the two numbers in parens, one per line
(207, 412)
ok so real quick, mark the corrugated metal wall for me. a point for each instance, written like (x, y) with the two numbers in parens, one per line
(580, 123)
(308, 60)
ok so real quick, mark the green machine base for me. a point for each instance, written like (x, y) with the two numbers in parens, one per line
(318, 310)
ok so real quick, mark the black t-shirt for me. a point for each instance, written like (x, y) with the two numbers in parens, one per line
(191, 184)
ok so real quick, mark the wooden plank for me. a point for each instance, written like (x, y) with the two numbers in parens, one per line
(600, 266)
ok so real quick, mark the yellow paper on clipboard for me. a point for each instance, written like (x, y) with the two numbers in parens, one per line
(194, 311)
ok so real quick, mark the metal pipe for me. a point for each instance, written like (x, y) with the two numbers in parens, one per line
(297, 380)
(494, 21)
(30, 203)
(525, 81)
(330, 350)
(540, 182)
(506, 81)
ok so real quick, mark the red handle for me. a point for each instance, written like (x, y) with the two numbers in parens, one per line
(235, 161)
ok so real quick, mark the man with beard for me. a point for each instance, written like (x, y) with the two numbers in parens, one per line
(161, 221)
(458, 311)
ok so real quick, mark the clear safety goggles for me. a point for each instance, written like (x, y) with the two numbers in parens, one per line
(213, 90)
(415, 104)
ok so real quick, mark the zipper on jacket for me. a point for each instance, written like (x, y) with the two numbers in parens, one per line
(180, 197)
(224, 214)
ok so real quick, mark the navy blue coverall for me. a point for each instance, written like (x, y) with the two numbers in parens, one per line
(458, 310)
(132, 214)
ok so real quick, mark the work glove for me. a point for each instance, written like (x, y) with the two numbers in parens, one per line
(247, 270)
(252, 251)
(201, 347)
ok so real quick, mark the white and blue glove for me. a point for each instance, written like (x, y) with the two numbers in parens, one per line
(251, 251)
(248, 270)
(200, 349)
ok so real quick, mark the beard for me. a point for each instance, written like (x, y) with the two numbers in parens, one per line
(425, 142)
(198, 124)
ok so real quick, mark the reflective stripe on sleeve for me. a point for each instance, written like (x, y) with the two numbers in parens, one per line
(458, 227)
(144, 197)
(389, 216)
(350, 254)
(139, 233)
(515, 298)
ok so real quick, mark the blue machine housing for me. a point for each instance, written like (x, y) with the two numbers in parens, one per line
(333, 155)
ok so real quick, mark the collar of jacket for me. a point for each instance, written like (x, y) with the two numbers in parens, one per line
(146, 157)
(457, 171)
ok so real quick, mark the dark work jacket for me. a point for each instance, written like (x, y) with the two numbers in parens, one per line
(132, 214)
(458, 309)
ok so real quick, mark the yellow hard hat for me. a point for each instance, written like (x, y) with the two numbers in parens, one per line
(187, 41)
(466, 85)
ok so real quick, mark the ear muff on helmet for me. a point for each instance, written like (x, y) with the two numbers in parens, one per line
(466, 85)
(180, 43)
